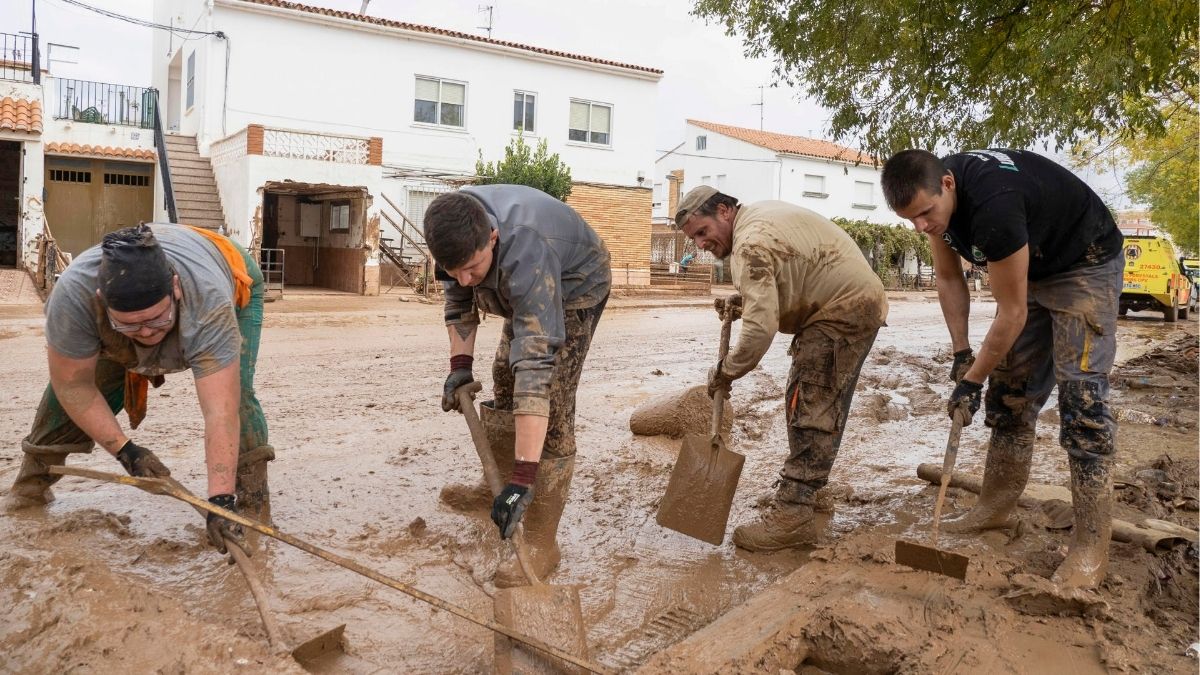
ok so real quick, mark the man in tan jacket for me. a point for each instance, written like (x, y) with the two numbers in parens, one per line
(801, 274)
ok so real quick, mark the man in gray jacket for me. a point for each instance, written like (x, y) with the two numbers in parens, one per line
(517, 252)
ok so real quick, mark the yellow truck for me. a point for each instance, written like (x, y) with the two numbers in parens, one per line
(1155, 279)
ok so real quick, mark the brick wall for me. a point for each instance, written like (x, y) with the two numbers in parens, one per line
(674, 184)
(621, 216)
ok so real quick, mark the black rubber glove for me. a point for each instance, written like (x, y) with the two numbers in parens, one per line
(456, 379)
(218, 527)
(718, 381)
(509, 506)
(140, 462)
(963, 360)
(965, 398)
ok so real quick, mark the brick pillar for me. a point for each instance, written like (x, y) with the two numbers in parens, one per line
(254, 139)
(674, 184)
(375, 151)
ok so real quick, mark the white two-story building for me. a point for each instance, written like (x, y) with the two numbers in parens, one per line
(324, 128)
(754, 165)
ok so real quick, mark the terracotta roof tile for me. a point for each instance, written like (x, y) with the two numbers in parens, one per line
(21, 114)
(790, 145)
(448, 33)
(99, 151)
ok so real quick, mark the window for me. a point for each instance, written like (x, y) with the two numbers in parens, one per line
(864, 195)
(814, 186)
(590, 122)
(440, 102)
(68, 176)
(133, 180)
(706, 180)
(524, 104)
(339, 216)
(720, 182)
(191, 80)
(702, 142)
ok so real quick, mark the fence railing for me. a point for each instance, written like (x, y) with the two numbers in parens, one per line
(271, 262)
(671, 275)
(321, 147)
(104, 103)
(19, 58)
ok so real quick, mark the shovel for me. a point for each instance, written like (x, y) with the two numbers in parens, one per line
(551, 613)
(307, 653)
(931, 558)
(159, 486)
(700, 490)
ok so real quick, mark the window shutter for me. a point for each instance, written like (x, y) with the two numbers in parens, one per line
(454, 94)
(601, 118)
(864, 192)
(579, 115)
(427, 90)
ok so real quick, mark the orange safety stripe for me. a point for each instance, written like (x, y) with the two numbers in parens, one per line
(237, 265)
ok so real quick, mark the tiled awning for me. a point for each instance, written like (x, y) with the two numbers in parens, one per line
(99, 151)
(21, 114)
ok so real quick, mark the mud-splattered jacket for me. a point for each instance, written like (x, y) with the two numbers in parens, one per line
(794, 269)
(548, 259)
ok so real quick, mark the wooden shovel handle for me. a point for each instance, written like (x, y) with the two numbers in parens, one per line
(728, 315)
(947, 469)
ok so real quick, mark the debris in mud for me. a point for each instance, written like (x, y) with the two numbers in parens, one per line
(678, 414)
(1037, 596)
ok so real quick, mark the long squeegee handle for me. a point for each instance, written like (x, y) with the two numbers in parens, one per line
(947, 469)
(728, 314)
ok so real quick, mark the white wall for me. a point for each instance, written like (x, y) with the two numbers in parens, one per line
(840, 179)
(323, 74)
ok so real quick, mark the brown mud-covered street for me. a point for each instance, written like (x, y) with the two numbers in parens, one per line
(110, 579)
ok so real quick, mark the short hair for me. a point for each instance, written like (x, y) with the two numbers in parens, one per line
(709, 207)
(908, 171)
(456, 227)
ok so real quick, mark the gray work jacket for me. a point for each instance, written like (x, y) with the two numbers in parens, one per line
(547, 260)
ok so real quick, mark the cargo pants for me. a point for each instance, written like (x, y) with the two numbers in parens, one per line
(580, 326)
(1069, 339)
(820, 390)
(54, 435)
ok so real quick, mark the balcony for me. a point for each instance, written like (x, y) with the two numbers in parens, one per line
(103, 103)
(18, 56)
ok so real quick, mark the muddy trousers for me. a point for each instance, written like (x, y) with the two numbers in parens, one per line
(1069, 339)
(817, 400)
(53, 435)
(580, 326)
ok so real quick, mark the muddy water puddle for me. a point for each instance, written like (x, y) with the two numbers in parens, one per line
(363, 450)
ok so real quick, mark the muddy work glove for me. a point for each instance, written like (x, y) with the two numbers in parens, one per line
(220, 528)
(510, 504)
(965, 401)
(460, 374)
(963, 360)
(718, 381)
(140, 462)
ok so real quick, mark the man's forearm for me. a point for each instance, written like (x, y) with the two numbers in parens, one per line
(996, 345)
(221, 452)
(88, 409)
(462, 338)
(955, 300)
(530, 436)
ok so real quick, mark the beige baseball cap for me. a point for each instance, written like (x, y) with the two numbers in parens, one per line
(693, 200)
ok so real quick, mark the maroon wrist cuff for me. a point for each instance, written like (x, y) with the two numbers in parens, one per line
(524, 473)
(461, 362)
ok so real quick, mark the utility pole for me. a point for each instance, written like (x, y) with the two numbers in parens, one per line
(761, 107)
(363, 8)
(490, 16)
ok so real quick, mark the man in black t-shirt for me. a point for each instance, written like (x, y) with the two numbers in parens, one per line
(1055, 264)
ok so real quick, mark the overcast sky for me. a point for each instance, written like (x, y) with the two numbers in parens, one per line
(706, 75)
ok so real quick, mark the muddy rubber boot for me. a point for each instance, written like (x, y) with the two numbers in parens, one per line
(253, 492)
(1005, 473)
(1091, 499)
(501, 435)
(32, 484)
(541, 523)
(784, 525)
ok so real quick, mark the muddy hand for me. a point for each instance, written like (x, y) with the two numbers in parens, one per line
(963, 360)
(509, 506)
(140, 462)
(964, 401)
(732, 304)
(457, 378)
(718, 380)
(218, 528)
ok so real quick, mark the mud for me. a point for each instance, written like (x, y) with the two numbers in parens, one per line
(107, 578)
(679, 414)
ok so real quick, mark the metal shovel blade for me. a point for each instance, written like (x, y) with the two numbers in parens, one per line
(327, 646)
(700, 491)
(929, 559)
(552, 613)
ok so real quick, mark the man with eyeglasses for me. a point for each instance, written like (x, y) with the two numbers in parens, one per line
(148, 301)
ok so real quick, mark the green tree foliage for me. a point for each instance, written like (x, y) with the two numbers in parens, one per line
(887, 247)
(1166, 178)
(524, 166)
(911, 73)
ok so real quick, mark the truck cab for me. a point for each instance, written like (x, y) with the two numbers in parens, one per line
(1155, 279)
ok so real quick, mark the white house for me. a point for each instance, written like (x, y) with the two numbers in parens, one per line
(754, 165)
(326, 127)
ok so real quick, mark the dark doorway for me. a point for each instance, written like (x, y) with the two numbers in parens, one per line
(10, 201)
(270, 238)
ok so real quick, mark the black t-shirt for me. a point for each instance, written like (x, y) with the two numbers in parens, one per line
(1009, 198)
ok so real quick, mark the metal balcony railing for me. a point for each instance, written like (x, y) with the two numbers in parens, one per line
(18, 58)
(103, 103)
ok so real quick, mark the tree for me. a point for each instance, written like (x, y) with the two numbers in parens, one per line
(522, 166)
(887, 246)
(1167, 177)
(976, 73)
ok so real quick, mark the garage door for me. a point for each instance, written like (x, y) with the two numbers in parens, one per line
(87, 198)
